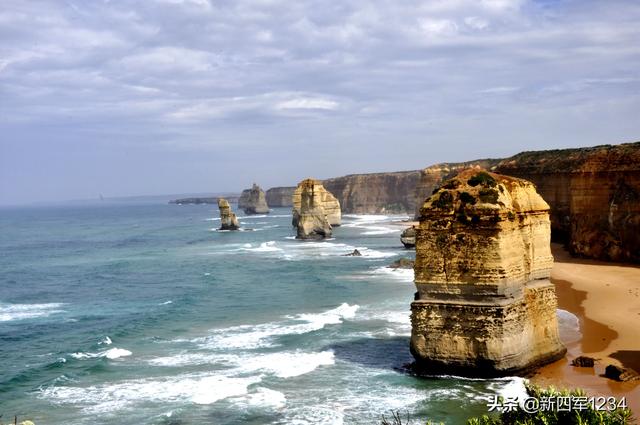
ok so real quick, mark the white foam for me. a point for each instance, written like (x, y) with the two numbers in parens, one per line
(269, 246)
(405, 275)
(105, 341)
(212, 219)
(113, 353)
(171, 302)
(195, 388)
(266, 398)
(568, 326)
(261, 335)
(10, 312)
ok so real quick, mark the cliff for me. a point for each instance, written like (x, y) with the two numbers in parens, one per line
(434, 175)
(201, 200)
(485, 305)
(310, 216)
(321, 197)
(253, 201)
(594, 194)
(280, 196)
(375, 193)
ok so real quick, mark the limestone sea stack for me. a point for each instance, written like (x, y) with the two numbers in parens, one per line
(408, 237)
(228, 219)
(323, 198)
(253, 201)
(485, 305)
(311, 219)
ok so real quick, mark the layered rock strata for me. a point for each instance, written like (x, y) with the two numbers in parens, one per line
(408, 237)
(311, 220)
(484, 306)
(322, 197)
(280, 196)
(228, 219)
(253, 201)
(594, 194)
(375, 193)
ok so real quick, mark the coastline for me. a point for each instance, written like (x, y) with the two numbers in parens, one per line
(606, 299)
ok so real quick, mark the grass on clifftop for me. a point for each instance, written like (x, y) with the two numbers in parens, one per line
(587, 416)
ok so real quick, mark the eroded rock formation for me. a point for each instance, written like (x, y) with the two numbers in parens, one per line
(375, 193)
(434, 175)
(322, 198)
(253, 201)
(280, 196)
(228, 219)
(408, 237)
(311, 219)
(484, 306)
(594, 194)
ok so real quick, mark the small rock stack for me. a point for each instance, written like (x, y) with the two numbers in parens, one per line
(228, 220)
(253, 201)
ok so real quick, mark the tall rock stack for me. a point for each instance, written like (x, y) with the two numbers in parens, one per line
(484, 306)
(310, 217)
(323, 198)
(228, 220)
(253, 201)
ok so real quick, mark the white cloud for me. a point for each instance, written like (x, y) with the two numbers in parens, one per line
(308, 103)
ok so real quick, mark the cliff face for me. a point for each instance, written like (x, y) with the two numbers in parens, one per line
(434, 175)
(594, 194)
(253, 201)
(376, 193)
(310, 217)
(321, 197)
(280, 196)
(485, 305)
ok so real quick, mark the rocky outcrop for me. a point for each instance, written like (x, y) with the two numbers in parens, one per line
(408, 237)
(434, 175)
(228, 219)
(485, 305)
(375, 193)
(253, 201)
(594, 194)
(402, 263)
(330, 205)
(202, 200)
(280, 197)
(310, 215)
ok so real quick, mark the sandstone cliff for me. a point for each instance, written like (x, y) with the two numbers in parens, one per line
(253, 201)
(485, 305)
(322, 197)
(434, 175)
(310, 216)
(375, 193)
(228, 220)
(280, 197)
(594, 194)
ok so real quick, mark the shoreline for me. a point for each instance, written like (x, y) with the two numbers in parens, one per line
(606, 299)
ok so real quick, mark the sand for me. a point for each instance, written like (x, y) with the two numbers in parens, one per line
(606, 299)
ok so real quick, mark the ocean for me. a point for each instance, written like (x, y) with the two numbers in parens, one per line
(141, 312)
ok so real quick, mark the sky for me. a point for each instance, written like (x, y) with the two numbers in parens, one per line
(184, 96)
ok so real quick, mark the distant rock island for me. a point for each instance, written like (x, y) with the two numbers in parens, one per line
(253, 201)
(485, 305)
(228, 219)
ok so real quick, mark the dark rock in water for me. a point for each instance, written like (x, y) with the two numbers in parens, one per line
(582, 361)
(228, 220)
(253, 201)
(355, 253)
(408, 237)
(621, 374)
(403, 263)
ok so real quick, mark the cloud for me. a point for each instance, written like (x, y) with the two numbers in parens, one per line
(366, 75)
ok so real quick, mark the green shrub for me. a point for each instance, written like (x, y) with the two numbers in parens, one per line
(489, 196)
(444, 201)
(467, 198)
(482, 178)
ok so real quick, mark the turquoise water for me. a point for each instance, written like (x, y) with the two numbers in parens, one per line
(144, 313)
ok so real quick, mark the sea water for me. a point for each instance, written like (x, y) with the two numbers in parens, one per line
(145, 313)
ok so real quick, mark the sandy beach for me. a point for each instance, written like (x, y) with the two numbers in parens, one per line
(606, 299)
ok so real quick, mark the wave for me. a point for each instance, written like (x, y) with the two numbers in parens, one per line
(171, 302)
(113, 353)
(311, 249)
(105, 341)
(212, 219)
(11, 312)
(194, 388)
(568, 326)
(263, 335)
